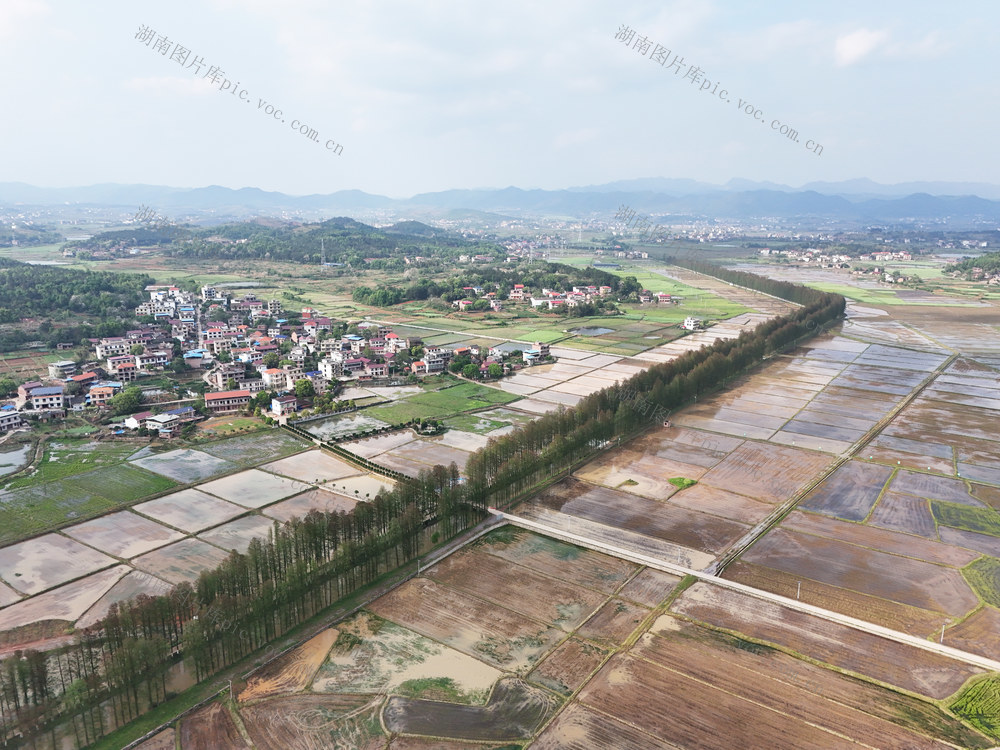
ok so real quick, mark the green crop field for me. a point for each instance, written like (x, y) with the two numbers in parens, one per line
(34, 509)
(68, 457)
(463, 397)
(443, 402)
(983, 576)
(980, 520)
(979, 704)
(121, 484)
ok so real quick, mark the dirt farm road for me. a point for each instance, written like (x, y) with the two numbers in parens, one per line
(851, 622)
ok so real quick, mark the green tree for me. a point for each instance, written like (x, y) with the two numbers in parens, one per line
(178, 365)
(470, 371)
(304, 388)
(271, 359)
(127, 401)
(137, 349)
(7, 386)
(495, 370)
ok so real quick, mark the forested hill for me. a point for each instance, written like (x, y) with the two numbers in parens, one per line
(346, 241)
(990, 263)
(28, 291)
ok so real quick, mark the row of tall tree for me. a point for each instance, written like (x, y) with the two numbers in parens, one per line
(308, 564)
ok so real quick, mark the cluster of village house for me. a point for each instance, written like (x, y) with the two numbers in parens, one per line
(991, 278)
(552, 299)
(147, 349)
(828, 260)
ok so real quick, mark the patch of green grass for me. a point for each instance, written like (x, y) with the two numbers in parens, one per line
(474, 423)
(66, 458)
(231, 426)
(504, 535)
(440, 689)
(628, 483)
(979, 520)
(983, 575)
(979, 704)
(346, 641)
(682, 483)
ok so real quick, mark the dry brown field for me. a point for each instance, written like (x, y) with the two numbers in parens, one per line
(211, 728)
(906, 667)
(899, 579)
(518, 588)
(567, 667)
(291, 673)
(622, 510)
(557, 559)
(614, 622)
(804, 691)
(977, 633)
(498, 636)
(770, 473)
(649, 587)
(883, 540)
(315, 722)
(902, 617)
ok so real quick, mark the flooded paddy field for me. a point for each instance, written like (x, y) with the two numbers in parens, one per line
(74, 575)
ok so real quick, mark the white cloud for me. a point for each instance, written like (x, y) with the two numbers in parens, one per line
(17, 15)
(853, 47)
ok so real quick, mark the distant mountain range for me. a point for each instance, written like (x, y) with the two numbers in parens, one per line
(852, 202)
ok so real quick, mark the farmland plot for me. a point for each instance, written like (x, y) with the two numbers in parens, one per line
(46, 561)
(315, 722)
(292, 672)
(376, 656)
(515, 711)
(518, 588)
(211, 727)
(497, 636)
(253, 488)
(312, 466)
(185, 466)
(904, 580)
(897, 664)
(850, 492)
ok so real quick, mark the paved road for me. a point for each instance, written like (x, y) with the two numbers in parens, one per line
(851, 622)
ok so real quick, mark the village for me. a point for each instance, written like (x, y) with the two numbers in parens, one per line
(250, 359)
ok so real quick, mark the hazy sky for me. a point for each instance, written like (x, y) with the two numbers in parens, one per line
(436, 94)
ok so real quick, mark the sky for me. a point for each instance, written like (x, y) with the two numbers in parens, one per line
(410, 97)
